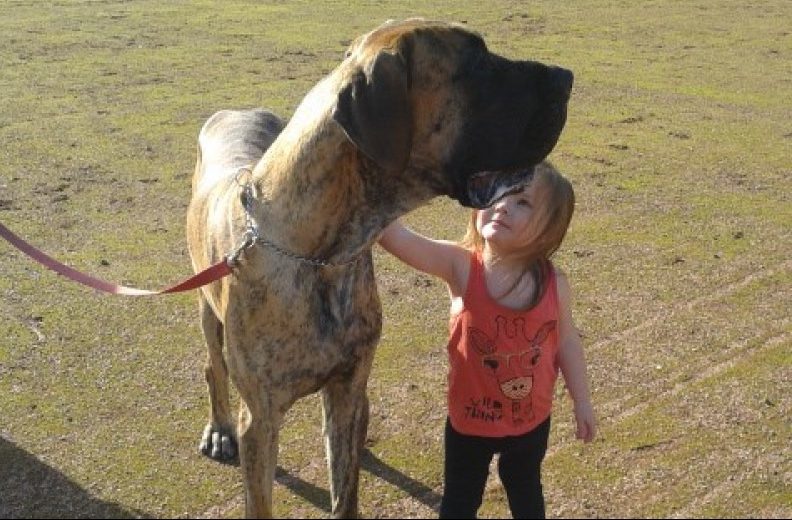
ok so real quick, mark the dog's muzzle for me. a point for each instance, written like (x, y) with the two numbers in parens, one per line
(486, 188)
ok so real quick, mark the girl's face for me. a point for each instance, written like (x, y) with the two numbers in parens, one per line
(506, 226)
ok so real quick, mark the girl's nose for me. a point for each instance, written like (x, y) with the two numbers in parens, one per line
(502, 205)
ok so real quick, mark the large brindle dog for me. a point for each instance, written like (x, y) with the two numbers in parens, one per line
(415, 110)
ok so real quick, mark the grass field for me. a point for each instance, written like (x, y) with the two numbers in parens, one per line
(679, 145)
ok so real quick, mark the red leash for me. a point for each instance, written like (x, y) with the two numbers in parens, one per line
(207, 276)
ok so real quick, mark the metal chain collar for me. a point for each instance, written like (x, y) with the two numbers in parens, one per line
(253, 235)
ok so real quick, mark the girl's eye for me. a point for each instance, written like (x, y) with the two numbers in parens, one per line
(524, 202)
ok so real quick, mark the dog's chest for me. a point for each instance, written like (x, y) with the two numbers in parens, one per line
(321, 322)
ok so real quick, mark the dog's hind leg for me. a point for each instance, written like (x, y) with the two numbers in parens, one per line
(217, 441)
(345, 422)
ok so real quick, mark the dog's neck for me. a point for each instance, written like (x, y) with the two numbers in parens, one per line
(319, 197)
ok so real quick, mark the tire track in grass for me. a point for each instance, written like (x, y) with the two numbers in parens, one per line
(717, 455)
(741, 348)
(744, 352)
(735, 350)
(707, 298)
(677, 476)
(712, 297)
(720, 490)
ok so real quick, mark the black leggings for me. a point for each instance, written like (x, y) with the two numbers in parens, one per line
(467, 460)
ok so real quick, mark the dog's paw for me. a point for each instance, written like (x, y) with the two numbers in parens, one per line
(219, 444)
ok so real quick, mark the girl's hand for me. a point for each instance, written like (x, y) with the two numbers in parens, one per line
(586, 422)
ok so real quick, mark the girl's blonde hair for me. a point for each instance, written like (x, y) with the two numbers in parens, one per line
(554, 203)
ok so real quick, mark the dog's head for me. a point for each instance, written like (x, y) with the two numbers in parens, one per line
(430, 98)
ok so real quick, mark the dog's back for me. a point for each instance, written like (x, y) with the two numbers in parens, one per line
(233, 139)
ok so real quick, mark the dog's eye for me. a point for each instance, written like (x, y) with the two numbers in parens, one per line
(477, 65)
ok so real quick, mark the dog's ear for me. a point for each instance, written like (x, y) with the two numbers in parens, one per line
(374, 111)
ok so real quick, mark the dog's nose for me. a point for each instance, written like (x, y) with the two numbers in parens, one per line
(562, 78)
(560, 81)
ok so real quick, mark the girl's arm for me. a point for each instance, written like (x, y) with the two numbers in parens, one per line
(439, 258)
(573, 364)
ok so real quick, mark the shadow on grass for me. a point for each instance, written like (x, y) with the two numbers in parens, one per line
(29, 488)
(418, 490)
(320, 497)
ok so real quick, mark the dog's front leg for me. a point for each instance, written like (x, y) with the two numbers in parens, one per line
(258, 455)
(345, 423)
(217, 441)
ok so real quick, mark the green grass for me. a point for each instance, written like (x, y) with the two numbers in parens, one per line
(678, 147)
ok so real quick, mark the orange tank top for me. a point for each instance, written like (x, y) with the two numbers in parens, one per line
(503, 363)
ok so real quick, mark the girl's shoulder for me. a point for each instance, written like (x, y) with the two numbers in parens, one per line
(563, 290)
(559, 273)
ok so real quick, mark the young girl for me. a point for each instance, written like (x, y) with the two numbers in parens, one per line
(511, 330)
